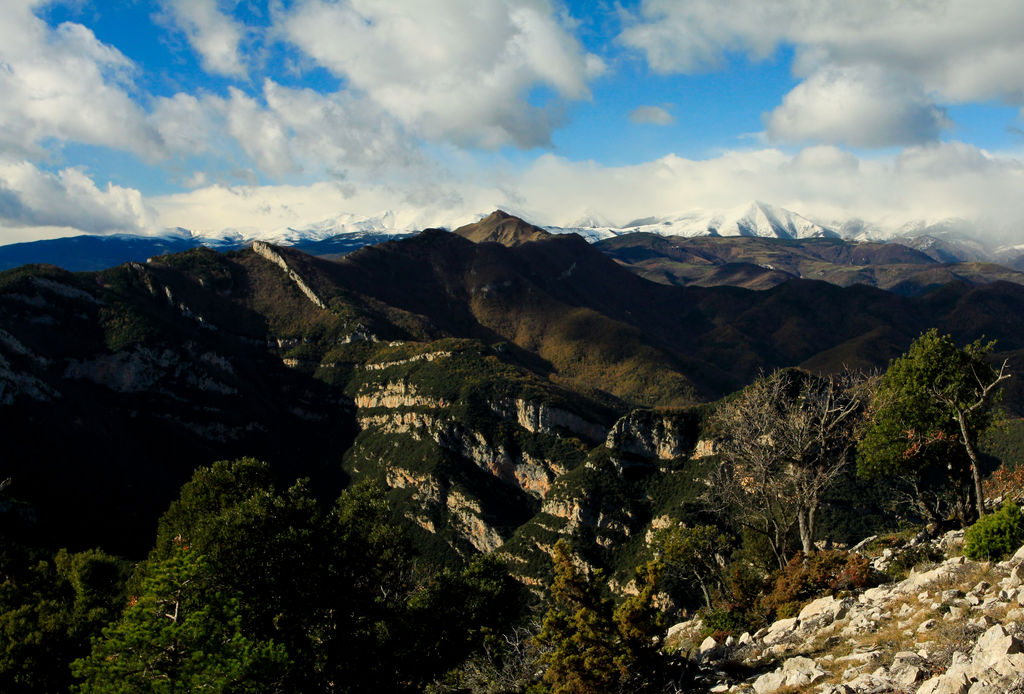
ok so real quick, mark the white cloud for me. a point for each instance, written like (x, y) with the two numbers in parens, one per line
(68, 201)
(215, 36)
(65, 84)
(185, 123)
(822, 182)
(455, 70)
(859, 107)
(300, 129)
(940, 51)
(271, 210)
(652, 115)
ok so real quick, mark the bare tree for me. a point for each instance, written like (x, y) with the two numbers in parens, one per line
(784, 442)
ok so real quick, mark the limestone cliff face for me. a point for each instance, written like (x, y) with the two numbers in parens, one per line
(427, 356)
(704, 448)
(496, 445)
(395, 394)
(466, 515)
(652, 434)
(539, 417)
(398, 407)
(267, 251)
(579, 512)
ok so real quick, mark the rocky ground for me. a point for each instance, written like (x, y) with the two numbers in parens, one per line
(952, 627)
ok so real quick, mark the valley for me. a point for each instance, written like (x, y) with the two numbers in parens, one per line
(508, 389)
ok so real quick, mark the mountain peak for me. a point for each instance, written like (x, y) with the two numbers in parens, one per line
(501, 227)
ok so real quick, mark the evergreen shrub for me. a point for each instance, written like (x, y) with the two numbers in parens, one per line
(996, 535)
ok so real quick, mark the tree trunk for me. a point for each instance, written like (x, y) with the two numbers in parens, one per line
(972, 453)
(704, 589)
(806, 531)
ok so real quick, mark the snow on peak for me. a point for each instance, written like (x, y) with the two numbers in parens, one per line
(751, 219)
(768, 221)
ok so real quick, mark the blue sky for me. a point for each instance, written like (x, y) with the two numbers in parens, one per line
(253, 117)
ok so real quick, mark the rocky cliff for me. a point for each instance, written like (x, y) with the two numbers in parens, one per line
(662, 435)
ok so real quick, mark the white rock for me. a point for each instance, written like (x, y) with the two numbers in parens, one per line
(907, 675)
(822, 612)
(835, 689)
(981, 622)
(795, 672)
(780, 630)
(869, 684)
(677, 629)
(1014, 579)
(949, 683)
(708, 644)
(999, 651)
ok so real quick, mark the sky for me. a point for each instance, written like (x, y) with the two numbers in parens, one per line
(256, 116)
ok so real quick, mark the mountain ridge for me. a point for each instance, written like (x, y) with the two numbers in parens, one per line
(456, 373)
(949, 240)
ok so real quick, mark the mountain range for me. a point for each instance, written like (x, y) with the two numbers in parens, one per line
(507, 385)
(945, 241)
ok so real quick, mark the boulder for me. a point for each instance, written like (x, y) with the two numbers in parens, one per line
(835, 689)
(707, 645)
(677, 629)
(1000, 652)
(869, 684)
(1018, 556)
(822, 612)
(795, 672)
(949, 683)
(780, 630)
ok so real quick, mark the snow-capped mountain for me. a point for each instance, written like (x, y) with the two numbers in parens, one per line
(754, 219)
(347, 225)
(945, 240)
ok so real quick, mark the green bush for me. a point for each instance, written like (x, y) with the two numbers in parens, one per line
(996, 535)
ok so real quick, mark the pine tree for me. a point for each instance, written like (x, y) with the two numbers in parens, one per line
(584, 653)
(180, 636)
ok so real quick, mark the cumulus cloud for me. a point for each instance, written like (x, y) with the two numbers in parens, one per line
(860, 107)
(67, 201)
(64, 83)
(454, 70)
(185, 123)
(652, 115)
(946, 51)
(215, 36)
(822, 182)
(325, 205)
(299, 129)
